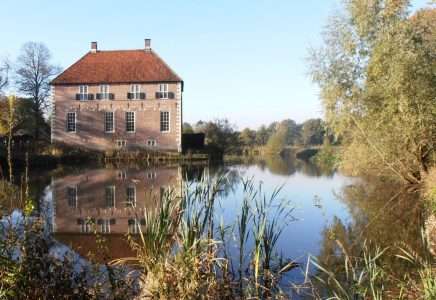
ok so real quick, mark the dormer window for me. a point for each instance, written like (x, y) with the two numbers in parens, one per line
(163, 90)
(83, 92)
(135, 93)
(135, 90)
(104, 91)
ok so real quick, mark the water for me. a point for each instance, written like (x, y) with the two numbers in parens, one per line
(328, 206)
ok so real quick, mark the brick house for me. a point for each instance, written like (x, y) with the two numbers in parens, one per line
(115, 99)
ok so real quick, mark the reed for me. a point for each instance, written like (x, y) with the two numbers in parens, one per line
(183, 245)
(423, 281)
(363, 277)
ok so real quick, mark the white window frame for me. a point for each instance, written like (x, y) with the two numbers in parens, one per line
(131, 202)
(134, 228)
(74, 122)
(112, 188)
(105, 226)
(160, 121)
(134, 121)
(104, 91)
(86, 227)
(83, 92)
(164, 90)
(113, 122)
(76, 198)
(135, 90)
(151, 175)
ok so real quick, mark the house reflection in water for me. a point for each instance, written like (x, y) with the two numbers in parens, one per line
(108, 201)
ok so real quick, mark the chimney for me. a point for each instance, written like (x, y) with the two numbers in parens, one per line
(147, 43)
(93, 47)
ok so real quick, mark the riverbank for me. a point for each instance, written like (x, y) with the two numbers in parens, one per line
(326, 156)
(54, 157)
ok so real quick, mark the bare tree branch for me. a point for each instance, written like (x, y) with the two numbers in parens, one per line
(34, 73)
(5, 67)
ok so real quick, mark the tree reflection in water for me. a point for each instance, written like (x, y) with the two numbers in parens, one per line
(288, 165)
(383, 215)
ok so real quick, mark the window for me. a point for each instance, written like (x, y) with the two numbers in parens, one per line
(164, 121)
(151, 175)
(110, 196)
(72, 196)
(121, 143)
(131, 196)
(130, 121)
(86, 226)
(83, 92)
(121, 175)
(163, 90)
(135, 91)
(104, 91)
(71, 122)
(151, 143)
(105, 225)
(109, 121)
(133, 226)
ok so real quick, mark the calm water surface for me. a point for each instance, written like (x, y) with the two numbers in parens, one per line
(328, 206)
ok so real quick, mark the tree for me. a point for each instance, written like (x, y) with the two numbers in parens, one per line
(377, 81)
(219, 134)
(4, 74)
(278, 141)
(22, 117)
(262, 135)
(312, 132)
(292, 131)
(187, 128)
(247, 137)
(199, 126)
(34, 73)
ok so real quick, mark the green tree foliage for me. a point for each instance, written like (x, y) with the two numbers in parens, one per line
(23, 120)
(278, 140)
(187, 128)
(262, 135)
(276, 136)
(293, 131)
(219, 134)
(247, 137)
(378, 87)
(312, 132)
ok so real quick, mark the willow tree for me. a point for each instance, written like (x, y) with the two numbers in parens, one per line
(376, 71)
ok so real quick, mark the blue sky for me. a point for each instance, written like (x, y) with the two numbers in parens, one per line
(241, 60)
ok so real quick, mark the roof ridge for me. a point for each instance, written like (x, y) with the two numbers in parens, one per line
(124, 50)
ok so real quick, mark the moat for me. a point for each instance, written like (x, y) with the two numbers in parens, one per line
(327, 206)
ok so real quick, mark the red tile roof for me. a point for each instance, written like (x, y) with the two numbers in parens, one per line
(120, 66)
